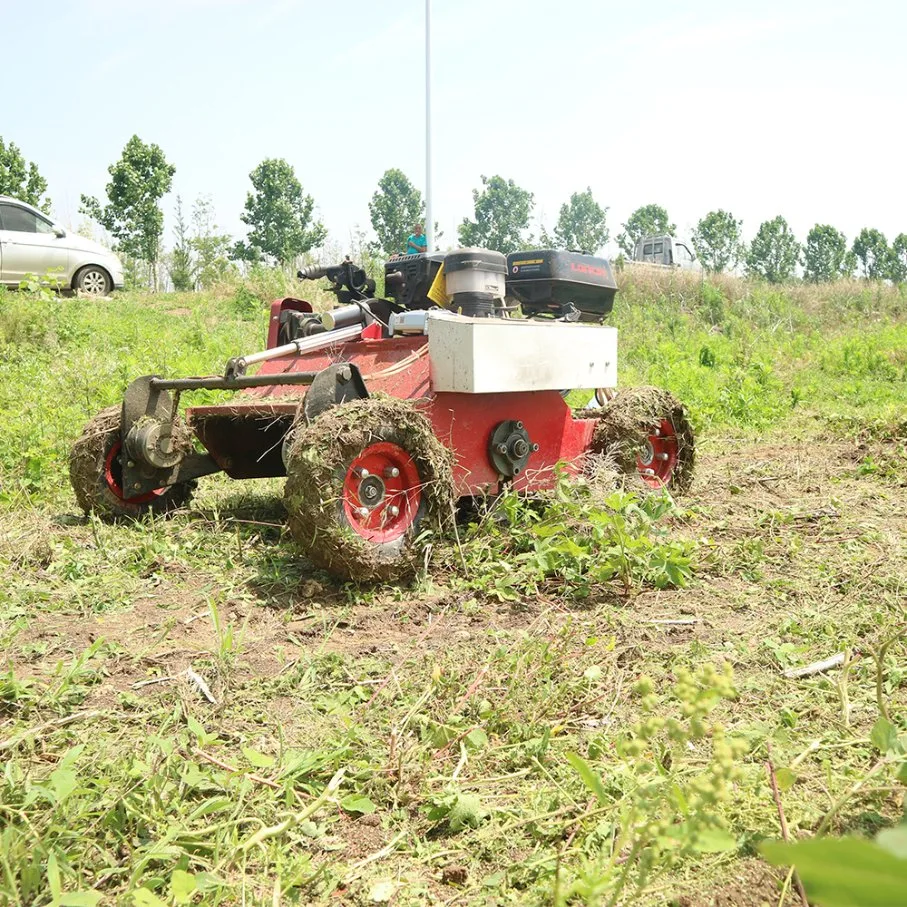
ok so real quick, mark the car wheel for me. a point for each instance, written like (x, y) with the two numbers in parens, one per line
(93, 280)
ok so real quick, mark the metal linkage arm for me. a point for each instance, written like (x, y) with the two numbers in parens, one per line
(236, 382)
(238, 366)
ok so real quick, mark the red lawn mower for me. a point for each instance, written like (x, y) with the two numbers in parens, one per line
(383, 412)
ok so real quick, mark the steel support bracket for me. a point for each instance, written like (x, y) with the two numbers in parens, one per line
(150, 411)
(338, 383)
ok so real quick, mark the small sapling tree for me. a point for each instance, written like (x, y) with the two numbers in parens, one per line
(774, 252)
(280, 216)
(643, 221)
(138, 181)
(395, 208)
(20, 178)
(502, 210)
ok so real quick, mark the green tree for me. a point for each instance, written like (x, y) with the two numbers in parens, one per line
(210, 247)
(774, 252)
(716, 240)
(280, 216)
(582, 224)
(825, 254)
(871, 249)
(181, 270)
(395, 208)
(897, 267)
(20, 178)
(502, 212)
(643, 221)
(138, 181)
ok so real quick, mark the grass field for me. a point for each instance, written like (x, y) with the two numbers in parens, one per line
(507, 729)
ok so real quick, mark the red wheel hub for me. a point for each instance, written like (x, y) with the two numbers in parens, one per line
(382, 492)
(113, 475)
(658, 458)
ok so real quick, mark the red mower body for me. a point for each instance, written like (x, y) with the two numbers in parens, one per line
(244, 435)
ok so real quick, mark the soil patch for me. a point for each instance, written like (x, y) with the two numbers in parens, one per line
(748, 883)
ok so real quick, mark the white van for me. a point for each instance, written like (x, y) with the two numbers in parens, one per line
(666, 250)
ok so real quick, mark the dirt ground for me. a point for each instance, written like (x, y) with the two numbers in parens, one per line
(749, 494)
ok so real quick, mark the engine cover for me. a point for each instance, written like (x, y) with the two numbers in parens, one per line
(546, 280)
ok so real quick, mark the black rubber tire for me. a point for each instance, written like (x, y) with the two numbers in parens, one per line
(318, 458)
(626, 422)
(87, 474)
(93, 280)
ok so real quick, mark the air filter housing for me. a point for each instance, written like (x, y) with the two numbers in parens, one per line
(475, 278)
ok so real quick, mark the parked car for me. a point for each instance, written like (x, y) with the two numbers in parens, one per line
(30, 243)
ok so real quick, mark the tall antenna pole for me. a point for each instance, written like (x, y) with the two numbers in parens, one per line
(429, 219)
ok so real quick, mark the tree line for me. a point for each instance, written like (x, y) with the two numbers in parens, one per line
(282, 225)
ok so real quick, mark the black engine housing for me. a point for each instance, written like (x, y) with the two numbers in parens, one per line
(547, 281)
(408, 278)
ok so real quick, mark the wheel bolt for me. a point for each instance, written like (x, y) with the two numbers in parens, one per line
(131, 465)
(393, 510)
(363, 511)
(391, 472)
(661, 456)
(362, 473)
(648, 472)
(502, 448)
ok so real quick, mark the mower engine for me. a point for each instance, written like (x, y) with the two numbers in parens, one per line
(552, 282)
(408, 279)
(479, 283)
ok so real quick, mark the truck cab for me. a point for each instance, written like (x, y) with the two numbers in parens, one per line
(665, 250)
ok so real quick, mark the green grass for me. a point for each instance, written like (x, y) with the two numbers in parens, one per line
(527, 730)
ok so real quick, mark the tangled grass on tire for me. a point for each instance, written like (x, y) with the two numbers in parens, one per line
(318, 459)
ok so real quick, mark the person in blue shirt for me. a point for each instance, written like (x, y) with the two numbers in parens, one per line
(417, 241)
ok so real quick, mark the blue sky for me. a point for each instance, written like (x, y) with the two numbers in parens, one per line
(762, 108)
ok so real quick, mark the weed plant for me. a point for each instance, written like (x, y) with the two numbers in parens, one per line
(577, 540)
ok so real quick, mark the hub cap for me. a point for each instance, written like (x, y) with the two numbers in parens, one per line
(658, 458)
(382, 492)
(113, 475)
(94, 282)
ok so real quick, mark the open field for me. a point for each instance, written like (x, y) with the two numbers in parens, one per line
(482, 725)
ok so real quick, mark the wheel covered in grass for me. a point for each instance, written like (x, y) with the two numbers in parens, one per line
(367, 482)
(647, 432)
(96, 473)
